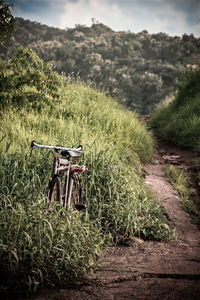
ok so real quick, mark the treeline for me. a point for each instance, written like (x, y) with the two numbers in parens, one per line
(139, 69)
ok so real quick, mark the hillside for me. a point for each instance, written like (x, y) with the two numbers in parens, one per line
(178, 122)
(139, 70)
(51, 247)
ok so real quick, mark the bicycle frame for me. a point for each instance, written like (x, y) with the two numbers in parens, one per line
(64, 167)
(61, 165)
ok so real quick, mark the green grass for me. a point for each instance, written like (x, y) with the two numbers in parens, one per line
(57, 246)
(45, 246)
(179, 121)
(179, 180)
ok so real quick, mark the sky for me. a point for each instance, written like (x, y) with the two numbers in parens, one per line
(174, 17)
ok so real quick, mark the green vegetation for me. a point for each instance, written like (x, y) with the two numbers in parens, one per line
(54, 246)
(138, 69)
(179, 180)
(179, 121)
(7, 21)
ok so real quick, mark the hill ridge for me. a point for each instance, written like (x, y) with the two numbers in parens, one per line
(139, 70)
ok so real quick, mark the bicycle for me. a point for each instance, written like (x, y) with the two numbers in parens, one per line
(66, 185)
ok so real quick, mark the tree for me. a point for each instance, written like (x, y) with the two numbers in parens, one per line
(138, 69)
(7, 21)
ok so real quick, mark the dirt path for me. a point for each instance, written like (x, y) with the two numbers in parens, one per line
(150, 270)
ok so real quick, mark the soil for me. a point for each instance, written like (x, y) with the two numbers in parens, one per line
(147, 269)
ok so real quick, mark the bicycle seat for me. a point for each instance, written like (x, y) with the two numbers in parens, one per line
(71, 153)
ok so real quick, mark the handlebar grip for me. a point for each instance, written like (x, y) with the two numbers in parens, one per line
(56, 148)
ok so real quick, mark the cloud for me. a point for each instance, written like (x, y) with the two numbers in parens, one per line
(170, 16)
(82, 11)
(176, 18)
(36, 10)
(162, 19)
(173, 17)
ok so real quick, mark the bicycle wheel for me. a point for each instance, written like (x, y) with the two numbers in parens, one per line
(75, 197)
(54, 192)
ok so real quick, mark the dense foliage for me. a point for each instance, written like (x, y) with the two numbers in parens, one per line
(179, 121)
(6, 21)
(137, 69)
(24, 77)
(39, 245)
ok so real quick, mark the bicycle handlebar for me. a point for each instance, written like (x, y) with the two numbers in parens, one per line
(34, 144)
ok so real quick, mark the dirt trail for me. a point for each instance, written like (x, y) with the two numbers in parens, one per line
(150, 270)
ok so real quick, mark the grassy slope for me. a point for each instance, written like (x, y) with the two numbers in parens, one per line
(179, 122)
(39, 246)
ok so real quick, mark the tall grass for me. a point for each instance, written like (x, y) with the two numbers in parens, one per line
(45, 246)
(180, 181)
(56, 246)
(179, 122)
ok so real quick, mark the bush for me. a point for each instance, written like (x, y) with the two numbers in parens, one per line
(26, 79)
